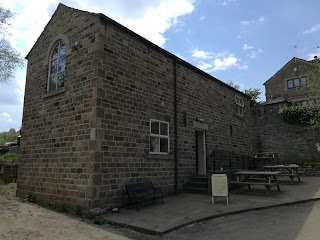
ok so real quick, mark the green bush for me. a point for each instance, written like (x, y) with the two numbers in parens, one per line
(9, 136)
(10, 157)
(309, 114)
(100, 220)
(7, 187)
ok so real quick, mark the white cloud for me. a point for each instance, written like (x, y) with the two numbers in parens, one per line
(211, 61)
(149, 19)
(205, 66)
(225, 63)
(252, 21)
(202, 18)
(227, 2)
(247, 47)
(254, 53)
(6, 115)
(314, 29)
(201, 54)
(6, 121)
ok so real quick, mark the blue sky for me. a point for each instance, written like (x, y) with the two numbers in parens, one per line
(241, 41)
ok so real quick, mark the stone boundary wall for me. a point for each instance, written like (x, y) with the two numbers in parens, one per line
(294, 143)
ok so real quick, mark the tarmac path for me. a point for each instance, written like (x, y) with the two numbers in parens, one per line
(294, 222)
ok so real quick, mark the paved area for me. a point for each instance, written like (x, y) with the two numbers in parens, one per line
(293, 222)
(184, 209)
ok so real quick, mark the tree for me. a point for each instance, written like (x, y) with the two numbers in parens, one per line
(12, 130)
(10, 59)
(254, 94)
(234, 85)
(9, 136)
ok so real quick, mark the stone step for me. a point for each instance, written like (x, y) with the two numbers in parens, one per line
(197, 185)
(203, 179)
(196, 190)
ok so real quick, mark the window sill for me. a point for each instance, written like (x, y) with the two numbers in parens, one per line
(53, 93)
(159, 156)
(239, 116)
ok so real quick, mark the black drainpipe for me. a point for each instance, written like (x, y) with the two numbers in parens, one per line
(175, 127)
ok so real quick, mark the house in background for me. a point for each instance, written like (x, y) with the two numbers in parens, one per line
(104, 107)
(288, 87)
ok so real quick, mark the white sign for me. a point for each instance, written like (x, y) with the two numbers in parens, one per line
(219, 186)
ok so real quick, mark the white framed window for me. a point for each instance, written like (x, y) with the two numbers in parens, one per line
(159, 137)
(57, 67)
(239, 106)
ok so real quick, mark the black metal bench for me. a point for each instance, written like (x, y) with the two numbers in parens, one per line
(138, 192)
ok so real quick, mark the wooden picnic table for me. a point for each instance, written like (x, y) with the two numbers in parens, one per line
(291, 170)
(263, 178)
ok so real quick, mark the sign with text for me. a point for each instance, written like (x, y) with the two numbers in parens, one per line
(219, 184)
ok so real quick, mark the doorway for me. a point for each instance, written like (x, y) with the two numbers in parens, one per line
(201, 152)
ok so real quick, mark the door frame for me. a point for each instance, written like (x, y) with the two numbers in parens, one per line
(204, 160)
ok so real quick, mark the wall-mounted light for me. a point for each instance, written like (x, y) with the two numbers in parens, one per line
(199, 119)
(75, 46)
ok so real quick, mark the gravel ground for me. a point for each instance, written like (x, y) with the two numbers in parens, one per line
(23, 221)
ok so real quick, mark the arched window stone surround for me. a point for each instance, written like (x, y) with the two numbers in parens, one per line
(47, 62)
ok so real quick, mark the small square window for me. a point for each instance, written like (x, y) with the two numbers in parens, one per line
(164, 145)
(155, 127)
(290, 84)
(163, 128)
(159, 137)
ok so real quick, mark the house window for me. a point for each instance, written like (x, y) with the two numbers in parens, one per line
(239, 106)
(297, 82)
(57, 67)
(159, 137)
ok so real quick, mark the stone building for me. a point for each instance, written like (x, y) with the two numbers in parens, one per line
(104, 107)
(288, 87)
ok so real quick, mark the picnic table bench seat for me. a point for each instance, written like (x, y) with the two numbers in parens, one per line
(267, 185)
(291, 170)
(138, 192)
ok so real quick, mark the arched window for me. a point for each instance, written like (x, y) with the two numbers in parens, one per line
(57, 67)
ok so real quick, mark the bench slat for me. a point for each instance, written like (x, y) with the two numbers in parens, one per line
(255, 183)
